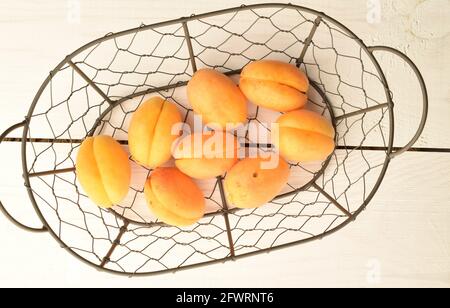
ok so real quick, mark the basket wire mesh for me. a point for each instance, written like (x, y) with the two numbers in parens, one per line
(96, 89)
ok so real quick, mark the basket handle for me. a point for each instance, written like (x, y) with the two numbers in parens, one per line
(423, 88)
(2, 208)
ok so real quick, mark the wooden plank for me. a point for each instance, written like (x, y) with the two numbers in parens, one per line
(43, 34)
(401, 240)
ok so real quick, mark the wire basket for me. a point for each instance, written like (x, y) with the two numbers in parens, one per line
(96, 89)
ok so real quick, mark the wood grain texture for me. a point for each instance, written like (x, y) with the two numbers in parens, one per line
(403, 239)
(36, 37)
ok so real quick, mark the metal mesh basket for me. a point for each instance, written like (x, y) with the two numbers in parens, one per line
(96, 89)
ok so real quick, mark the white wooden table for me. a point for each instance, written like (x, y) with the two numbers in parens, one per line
(403, 239)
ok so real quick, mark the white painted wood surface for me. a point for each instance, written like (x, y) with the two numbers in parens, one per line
(402, 240)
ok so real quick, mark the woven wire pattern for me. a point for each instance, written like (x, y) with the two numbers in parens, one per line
(156, 61)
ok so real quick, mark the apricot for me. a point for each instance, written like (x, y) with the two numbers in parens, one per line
(274, 85)
(103, 170)
(173, 197)
(206, 155)
(250, 183)
(150, 135)
(304, 136)
(217, 99)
